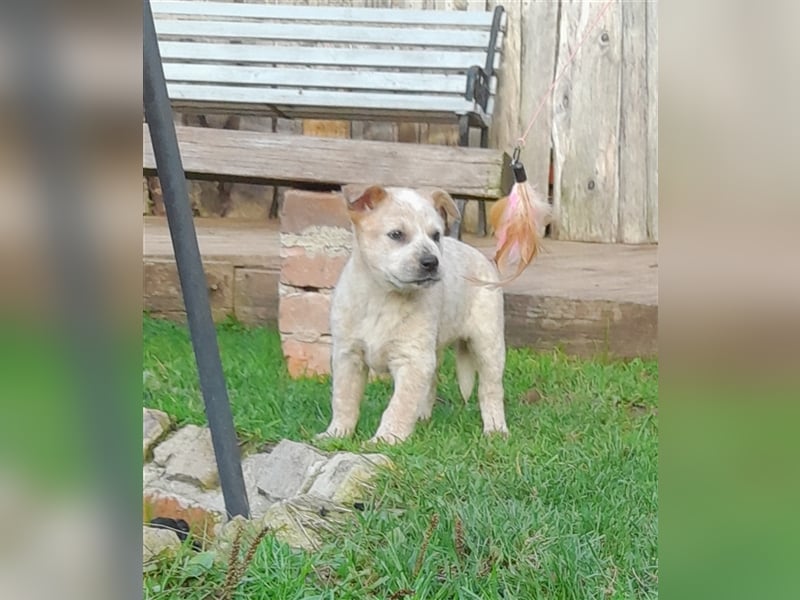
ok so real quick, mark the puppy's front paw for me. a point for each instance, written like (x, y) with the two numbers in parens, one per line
(387, 437)
(493, 429)
(334, 431)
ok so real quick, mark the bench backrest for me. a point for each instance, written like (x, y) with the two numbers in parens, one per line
(330, 62)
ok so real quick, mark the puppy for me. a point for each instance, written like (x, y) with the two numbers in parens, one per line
(402, 297)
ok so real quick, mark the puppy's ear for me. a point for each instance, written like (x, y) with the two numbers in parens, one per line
(446, 207)
(361, 198)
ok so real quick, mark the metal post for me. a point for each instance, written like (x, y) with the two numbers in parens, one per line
(158, 113)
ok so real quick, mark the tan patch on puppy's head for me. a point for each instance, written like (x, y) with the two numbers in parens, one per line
(362, 199)
(398, 233)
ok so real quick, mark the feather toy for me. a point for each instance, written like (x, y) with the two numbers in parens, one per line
(519, 222)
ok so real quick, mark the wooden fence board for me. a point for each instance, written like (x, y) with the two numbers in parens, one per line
(586, 125)
(537, 61)
(652, 121)
(633, 176)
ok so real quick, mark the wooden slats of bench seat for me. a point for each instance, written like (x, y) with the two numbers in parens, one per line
(275, 159)
(387, 16)
(325, 62)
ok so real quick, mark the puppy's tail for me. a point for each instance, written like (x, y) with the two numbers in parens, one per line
(465, 370)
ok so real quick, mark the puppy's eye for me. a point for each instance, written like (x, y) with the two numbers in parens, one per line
(436, 236)
(396, 235)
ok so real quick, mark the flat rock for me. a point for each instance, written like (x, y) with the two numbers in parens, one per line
(345, 477)
(288, 470)
(157, 542)
(188, 455)
(155, 425)
(298, 524)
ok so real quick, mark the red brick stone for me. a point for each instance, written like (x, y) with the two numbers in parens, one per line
(306, 358)
(302, 209)
(299, 268)
(305, 313)
(200, 520)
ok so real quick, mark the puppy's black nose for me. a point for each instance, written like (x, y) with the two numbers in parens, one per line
(429, 262)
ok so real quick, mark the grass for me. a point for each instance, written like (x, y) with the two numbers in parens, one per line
(563, 508)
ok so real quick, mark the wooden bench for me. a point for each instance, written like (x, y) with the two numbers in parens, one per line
(304, 62)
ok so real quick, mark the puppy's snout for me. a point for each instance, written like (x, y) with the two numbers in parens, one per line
(429, 262)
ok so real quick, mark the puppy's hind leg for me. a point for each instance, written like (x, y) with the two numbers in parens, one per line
(465, 369)
(349, 380)
(489, 354)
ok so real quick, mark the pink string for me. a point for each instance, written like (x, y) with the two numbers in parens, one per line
(521, 140)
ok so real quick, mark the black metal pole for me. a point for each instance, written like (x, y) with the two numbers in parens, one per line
(158, 114)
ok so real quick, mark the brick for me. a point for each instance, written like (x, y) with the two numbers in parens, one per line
(306, 358)
(255, 298)
(304, 313)
(201, 519)
(162, 288)
(301, 268)
(302, 209)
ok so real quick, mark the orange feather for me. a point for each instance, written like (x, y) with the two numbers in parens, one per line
(519, 221)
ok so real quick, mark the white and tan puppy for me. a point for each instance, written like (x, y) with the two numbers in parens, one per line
(402, 297)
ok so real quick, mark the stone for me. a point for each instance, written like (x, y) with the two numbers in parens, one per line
(302, 209)
(188, 455)
(304, 359)
(155, 425)
(304, 312)
(345, 477)
(288, 470)
(158, 542)
(298, 526)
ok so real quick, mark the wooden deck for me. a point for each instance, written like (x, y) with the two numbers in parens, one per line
(585, 298)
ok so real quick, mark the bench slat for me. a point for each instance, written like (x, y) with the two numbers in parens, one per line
(324, 33)
(341, 57)
(407, 103)
(276, 159)
(324, 13)
(319, 78)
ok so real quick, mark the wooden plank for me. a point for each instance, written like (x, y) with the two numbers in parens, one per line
(255, 298)
(586, 126)
(333, 100)
(539, 33)
(652, 121)
(505, 110)
(162, 289)
(633, 126)
(444, 83)
(304, 32)
(311, 112)
(581, 326)
(256, 157)
(445, 60)
(326, 128)
(323, 13)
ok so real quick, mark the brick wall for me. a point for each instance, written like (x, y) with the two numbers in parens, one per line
(315, 244)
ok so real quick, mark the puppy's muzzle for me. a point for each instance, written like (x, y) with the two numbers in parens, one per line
(429, 264)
